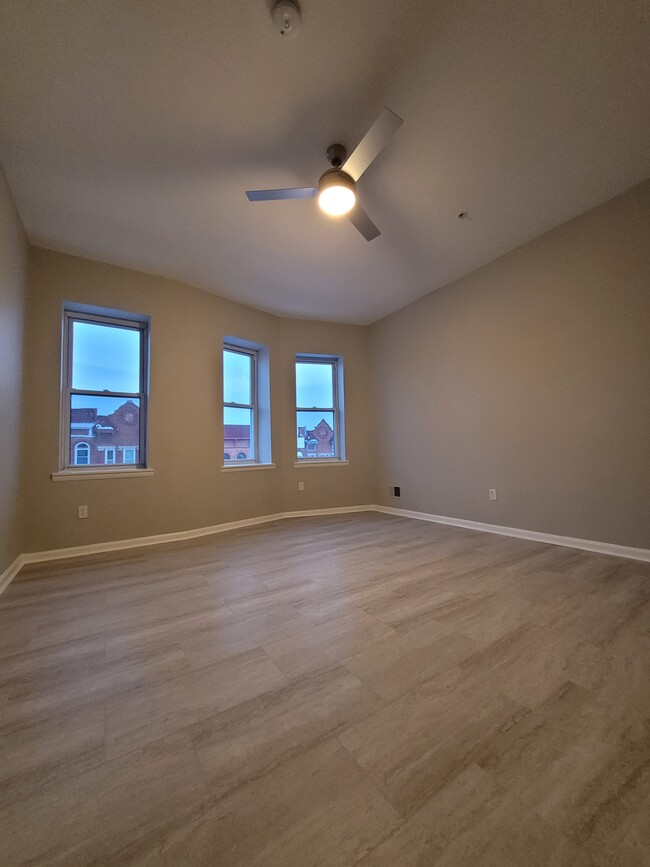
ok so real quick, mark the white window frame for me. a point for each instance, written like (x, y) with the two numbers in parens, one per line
(336, 363)
(126, 449)
(102, 316)
(252, 354)
(76, 451)
(109, 450)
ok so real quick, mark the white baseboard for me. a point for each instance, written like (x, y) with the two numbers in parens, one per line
(184, 535)
(143, 541)
(181, 536)
(11, 571)
(530, 535)
(338, 510)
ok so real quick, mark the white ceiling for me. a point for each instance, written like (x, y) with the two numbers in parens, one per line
(132, 128)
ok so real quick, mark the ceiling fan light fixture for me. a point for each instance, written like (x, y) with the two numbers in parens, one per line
(336, 193)
(336, 190)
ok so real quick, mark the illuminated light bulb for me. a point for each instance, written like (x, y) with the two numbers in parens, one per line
(337, 200)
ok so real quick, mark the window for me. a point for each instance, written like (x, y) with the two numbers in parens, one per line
(319, 416)
(239, 402)
(105, 363)
(82, 454)
(246, 404)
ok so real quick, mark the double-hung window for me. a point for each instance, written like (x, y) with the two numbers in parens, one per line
(246, 405)
(319, 396)
(105, 364)
(239, 404)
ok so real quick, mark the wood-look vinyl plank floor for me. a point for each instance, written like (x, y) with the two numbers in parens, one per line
(344, 690)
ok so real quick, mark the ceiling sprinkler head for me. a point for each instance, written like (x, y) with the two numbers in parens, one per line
(286, 18)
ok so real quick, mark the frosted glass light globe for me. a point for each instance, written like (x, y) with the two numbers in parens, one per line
(336, 200)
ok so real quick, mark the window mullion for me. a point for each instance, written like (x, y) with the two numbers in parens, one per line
(315, 409)
(86, 392)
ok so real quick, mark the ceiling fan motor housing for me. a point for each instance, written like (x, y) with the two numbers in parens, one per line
(336, 155)
(335, 177)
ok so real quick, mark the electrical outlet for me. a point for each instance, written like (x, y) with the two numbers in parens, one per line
(493, 493)
(82, 512)
(301, 486)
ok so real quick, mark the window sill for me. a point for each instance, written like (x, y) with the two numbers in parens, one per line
(77, 475)
(227, 468)
(322, 462)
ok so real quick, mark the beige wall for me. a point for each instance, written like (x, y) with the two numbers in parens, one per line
(187, 489)
(532, 376)
(13, 259)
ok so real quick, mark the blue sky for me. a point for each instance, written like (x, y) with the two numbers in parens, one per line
(236, 386)
(105, 357)
(314, 385)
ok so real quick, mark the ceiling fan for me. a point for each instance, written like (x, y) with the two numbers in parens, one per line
(336, 189)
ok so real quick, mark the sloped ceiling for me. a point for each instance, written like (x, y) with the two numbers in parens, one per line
(132, 128)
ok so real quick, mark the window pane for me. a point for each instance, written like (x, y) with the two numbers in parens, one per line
(314, 386)
(316, 436)
(238, 434)
(105, 358)
(236, 377)
(108, 423)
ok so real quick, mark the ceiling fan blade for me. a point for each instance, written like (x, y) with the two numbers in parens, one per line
(274, 195)
(361, 221)
(372, 143)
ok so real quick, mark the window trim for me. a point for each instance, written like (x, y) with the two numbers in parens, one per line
(73, 312)
(101, 472)
(108, 450)
(253, 355)
(336, 366)
(320, 462)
